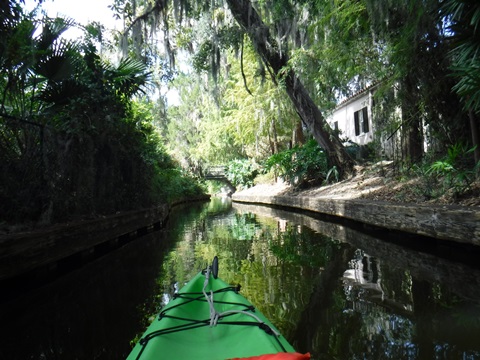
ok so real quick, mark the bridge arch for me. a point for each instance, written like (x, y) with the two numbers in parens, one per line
(219, 173)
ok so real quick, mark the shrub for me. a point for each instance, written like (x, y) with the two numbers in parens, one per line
(300, 165)
(454, 169)
(173, 184)
(241, 173)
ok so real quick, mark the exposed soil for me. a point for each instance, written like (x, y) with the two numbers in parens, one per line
(380, 181)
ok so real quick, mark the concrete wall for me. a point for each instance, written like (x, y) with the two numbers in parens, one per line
(343, 115)
(444, 222)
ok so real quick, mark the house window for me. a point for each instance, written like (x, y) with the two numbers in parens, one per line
(361, 121)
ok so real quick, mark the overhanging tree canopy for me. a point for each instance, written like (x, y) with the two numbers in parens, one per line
(277, 61)
(401, 41)
(274, 58)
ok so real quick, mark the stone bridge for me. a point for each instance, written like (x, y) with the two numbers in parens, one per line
(219, 173)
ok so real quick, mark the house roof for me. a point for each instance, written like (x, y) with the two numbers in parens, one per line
(357, 94)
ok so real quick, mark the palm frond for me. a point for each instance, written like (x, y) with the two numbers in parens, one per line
(129, 77)
(61, 93)
(52, 31)
(62, 62)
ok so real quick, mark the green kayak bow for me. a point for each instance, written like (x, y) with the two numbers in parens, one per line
(209, 319)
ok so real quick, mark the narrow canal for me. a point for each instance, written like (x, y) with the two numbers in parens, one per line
(337, 291)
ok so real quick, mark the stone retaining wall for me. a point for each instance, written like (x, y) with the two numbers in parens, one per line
(25, 252)
(446, 222)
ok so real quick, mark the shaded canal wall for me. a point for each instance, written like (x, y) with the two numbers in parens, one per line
(438, 261)
(445, 222)
(39, 251)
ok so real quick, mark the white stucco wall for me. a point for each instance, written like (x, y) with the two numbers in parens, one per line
(344, 115)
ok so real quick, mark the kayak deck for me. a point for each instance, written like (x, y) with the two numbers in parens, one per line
(208, 319)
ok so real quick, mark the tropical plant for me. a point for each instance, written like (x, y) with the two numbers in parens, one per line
(337, 49)
(260, 119)
(73, 142)
(215, 33)
(454, 169)
(241, 172)
(300, 165)
(416, 51)
(463, 17)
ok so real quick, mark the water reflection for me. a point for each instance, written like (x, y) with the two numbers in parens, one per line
(337, 298)
(337, 291)
(90, 313)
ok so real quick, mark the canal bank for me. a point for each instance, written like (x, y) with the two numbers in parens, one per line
(328, 297)
(352, 200)
(35, 254)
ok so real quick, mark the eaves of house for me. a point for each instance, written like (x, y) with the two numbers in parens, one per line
(357, 95)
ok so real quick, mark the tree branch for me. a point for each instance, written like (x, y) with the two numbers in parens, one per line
(157, 7)
(268, 49)
(243, 73)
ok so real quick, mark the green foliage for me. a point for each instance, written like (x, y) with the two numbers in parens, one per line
(196, 133)
(454, 169)
(464, 20)
(230, 124)
(174, 184)
(449, 177)
(416, 51)
(299, 248)
(202, 59)
(336, 48)
(301, 165)
(468, 85)
(128, 77)
(241, 173)
(340, 47)
(73, 142)
(345, 60)
(332, 175)
(261, 121)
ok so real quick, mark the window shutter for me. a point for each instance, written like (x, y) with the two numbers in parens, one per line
(357, 123)
(366, 128)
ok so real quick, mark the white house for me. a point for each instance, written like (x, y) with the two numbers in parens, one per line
(354, 119)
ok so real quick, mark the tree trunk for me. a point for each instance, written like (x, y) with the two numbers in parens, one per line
(412, 132)
(276, 62)
(298, 138)
(274, 141)
(412, 139)
(475, 135)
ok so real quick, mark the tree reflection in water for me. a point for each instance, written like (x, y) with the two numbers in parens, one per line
(338, 291)
(326, 295)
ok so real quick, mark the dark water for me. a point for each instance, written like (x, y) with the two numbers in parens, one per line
(337, 291)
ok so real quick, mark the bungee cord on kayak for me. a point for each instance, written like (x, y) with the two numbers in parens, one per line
(214, 315)
(224, 306)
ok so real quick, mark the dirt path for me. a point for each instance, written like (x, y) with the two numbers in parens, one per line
(375, 182)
